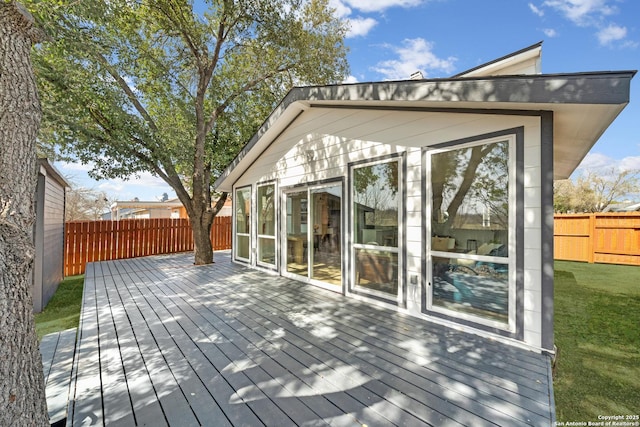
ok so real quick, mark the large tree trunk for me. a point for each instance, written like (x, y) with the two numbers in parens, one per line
(201, 219)
(22, 398)
(203, 250)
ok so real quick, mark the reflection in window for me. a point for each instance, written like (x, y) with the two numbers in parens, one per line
(376, 202)
(470, 229)
(376, 208)
(243, 221)
(266, 224)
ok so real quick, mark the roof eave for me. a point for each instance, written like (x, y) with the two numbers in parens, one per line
(537, 92)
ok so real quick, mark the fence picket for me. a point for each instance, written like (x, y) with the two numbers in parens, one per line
(88, 241)
(611, 238)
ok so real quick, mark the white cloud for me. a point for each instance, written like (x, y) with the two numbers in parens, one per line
(360, 26)
(351, 79)
(536, 10)
(550, 32)
(582, 12)
(342, 10)
(414, 55)
(630, 163)
(380, 5)
(73, 167)
(610, 34)
(597, 161)
(595, 14)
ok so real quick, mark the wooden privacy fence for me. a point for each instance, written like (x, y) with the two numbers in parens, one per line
(88, 241)
(611, 238)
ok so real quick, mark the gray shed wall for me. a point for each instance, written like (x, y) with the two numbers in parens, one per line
(49, 238)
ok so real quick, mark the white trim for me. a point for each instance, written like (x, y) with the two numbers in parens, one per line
(234, 254)
(512, 253)
(273, 237)
(308, 188)
(352, 287)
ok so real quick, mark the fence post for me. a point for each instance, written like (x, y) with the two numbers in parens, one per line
(592, 238)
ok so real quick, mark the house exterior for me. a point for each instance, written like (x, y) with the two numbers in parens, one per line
(135, 209)
(48, 234)
(431, 197)
(144, 210)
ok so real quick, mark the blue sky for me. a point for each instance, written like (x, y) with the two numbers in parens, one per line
(390, 39)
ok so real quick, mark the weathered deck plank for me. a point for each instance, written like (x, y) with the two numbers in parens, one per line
(169, 343)
(57, 350)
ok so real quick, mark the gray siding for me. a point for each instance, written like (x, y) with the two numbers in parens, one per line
(49, 236)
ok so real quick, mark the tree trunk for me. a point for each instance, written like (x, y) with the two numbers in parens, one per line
(22, 398)
(202, 241)
(201, 219)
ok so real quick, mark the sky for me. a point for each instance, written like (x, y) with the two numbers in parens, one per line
(391, 39)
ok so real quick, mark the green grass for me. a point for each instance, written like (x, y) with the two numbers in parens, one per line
(597, 331)
(63, 310)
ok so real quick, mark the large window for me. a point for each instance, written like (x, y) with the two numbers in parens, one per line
(376, 224)
(266, 224)
(471, 228)
(242, 202)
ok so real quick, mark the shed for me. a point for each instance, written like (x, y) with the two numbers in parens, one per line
(48, 234)
(430, 197)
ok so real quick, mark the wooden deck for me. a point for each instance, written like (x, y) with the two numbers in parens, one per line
(57, 350)
(163, 342)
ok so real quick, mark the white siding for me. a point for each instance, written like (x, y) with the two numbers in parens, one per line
(336, 137)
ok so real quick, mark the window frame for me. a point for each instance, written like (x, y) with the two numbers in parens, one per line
(235, 223)
(398, 250)
(259, 235)
(514, 138)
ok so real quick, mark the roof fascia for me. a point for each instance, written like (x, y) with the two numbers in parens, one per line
(53, 172)
(608, 87)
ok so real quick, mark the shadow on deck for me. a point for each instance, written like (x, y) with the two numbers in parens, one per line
(163, 342)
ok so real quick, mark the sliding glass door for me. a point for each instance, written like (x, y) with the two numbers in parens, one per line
(313, 225)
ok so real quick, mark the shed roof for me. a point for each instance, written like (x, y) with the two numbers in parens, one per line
(583, 106)
(47, 168)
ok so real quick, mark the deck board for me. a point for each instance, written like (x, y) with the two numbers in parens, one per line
(163, 342)
(57, 350)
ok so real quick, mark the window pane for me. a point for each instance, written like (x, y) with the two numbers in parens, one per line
(297, 260)
(243, 210)
(376, 204)
(470, 198)
(477, 288)
(324, 250)
(266, 210)
(267, 250)
(242, 246)
(377, 270)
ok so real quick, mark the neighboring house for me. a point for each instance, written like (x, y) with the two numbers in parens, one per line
(142, 210)
(48, 234)
(181, 212)
(431, 197)
(169, 209)
(623, 207)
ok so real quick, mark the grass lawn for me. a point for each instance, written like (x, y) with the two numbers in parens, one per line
(597, 331)
(63, 310)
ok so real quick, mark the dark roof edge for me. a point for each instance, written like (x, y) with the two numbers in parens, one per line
(505, 89)
(55, 173)
(510, 55)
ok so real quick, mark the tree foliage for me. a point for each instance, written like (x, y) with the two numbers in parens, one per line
(176, 87)
(594, 191)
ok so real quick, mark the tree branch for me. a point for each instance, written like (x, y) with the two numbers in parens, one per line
(127, 90)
